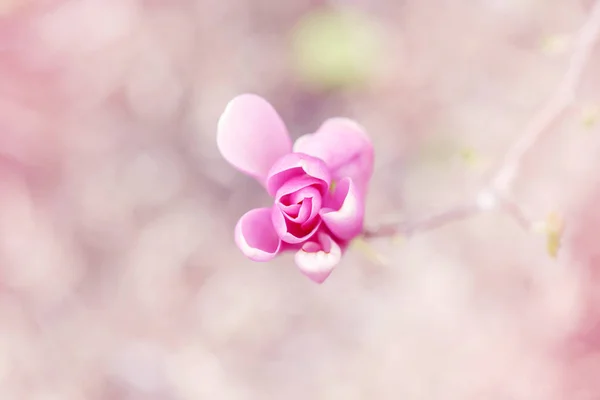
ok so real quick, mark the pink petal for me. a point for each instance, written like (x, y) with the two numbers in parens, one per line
(308, 211)
(313, 197)
(291, 210)
(302, 189)
(251, 136)
(290, 192)
(315, 206)
(304, 213)
(290, 232)
(345, 148)
(317, 263)
(297, 165)
(305, 193)
(344, 215)
(255, 235)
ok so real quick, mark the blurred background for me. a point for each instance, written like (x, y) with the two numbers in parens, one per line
(119, 277)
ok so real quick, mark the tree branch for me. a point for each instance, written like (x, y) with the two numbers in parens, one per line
(554, 107)
(434, 221)
(498, 186)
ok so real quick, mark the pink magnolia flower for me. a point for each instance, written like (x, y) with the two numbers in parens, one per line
(318, 184)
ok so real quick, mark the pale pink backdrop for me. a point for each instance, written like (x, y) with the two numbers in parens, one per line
(119, 277)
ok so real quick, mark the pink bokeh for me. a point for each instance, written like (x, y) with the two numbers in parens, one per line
(119, 276)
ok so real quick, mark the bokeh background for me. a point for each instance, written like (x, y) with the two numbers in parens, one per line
(119, 278)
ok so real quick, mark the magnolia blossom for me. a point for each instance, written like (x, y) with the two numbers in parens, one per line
(318, 184)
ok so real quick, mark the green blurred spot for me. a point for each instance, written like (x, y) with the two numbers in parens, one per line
(398, 239)
(555, 44)
(470, 156)
(332, 186)
(360, 244)
(336, 48)
(438, 150)
(553, 244)
(444, 150)
(590, 116)
(552, 227)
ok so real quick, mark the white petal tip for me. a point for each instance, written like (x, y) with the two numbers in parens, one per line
(317, 266)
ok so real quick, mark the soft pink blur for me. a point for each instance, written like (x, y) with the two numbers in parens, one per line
(119, 276)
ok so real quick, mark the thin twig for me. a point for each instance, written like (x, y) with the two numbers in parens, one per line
(459, 212)
(501, 179)
(554, 107)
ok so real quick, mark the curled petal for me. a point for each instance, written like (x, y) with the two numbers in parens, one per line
(309, 210)
(315, 206)
(345, 148)
(309, 192)
(305, 212)
(309, 198)
(317, 260)
(296, 165)
(290, 232)
(293, 190)
(299, 198)
(292, 210)
(344, 214)
(251, 136)
(256, 236)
